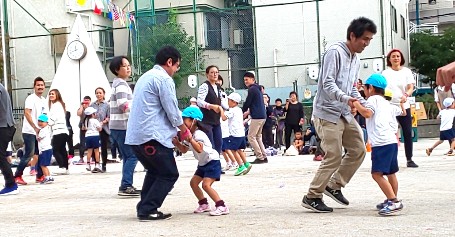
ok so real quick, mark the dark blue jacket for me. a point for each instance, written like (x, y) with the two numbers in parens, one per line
(255, 102)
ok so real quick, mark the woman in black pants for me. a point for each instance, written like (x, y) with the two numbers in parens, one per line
(57, 121)
(102, 114)
(267, 130)
(294, 117)
(400, 81)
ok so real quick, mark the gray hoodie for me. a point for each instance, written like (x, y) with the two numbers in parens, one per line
(338, 73)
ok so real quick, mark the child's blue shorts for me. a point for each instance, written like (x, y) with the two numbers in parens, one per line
(384, 159)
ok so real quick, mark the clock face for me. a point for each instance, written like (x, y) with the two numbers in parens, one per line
(76, 50)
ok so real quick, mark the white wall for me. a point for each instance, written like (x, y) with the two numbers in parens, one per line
(292, 30)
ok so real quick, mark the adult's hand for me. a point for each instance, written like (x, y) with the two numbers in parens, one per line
(351, 102)
(445, 76)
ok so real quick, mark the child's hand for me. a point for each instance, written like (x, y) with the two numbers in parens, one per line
(175, 141)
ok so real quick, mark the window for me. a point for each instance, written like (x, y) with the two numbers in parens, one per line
(217, 31)
(393, 18)
(431, 2)
(403, 28)
(106, 39)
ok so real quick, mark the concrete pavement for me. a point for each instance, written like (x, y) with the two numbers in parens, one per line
(266, 202)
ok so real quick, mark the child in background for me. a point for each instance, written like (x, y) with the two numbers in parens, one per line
(446, 131)
(236, 141)
(45, 148)
(380, 118)
(209, 166)
(229, 158)
(92, 139)
(298, 141)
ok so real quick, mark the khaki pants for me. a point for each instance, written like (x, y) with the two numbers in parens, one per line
(255, 138)
(334, 170)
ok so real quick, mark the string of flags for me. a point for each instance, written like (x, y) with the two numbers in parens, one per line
(110, 10)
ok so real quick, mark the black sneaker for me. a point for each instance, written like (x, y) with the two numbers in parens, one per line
(157, 215)
(96, 170)
(315, 204)
(336, 195)
(130, 192)
(260, 161)
(411, 164)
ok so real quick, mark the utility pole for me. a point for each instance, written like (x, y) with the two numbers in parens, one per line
(417, 13)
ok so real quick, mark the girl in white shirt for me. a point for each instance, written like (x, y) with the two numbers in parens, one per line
(209, 166)
(446, 131)
(92, 139)
(57, 121)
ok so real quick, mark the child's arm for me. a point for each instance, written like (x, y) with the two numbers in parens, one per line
(197, 146)
(223, 116)
(182, 148)
(367, 113)
(403, 110)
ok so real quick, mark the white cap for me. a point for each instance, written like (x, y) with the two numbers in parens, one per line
(448, 102)
(89, 111)
(193, 99)
(235, 97)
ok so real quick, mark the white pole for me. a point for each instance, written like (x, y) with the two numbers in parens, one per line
(2, 22)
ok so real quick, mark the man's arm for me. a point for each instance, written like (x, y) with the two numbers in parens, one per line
(28, 117)
(248, 100)
(330, 69)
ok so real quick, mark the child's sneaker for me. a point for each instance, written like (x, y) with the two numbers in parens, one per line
(47, 180)
(9, 191)
(450, 153)
(227, 167)
(428, 151)
(88, 168)
(382, 205)
(203, 208)
(391, 208)
(248, 168)
(220, 210)
(20, 181)
(33, 172)
(240, 170)
(40, 179)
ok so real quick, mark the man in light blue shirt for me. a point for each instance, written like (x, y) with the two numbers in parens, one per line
(152, 124)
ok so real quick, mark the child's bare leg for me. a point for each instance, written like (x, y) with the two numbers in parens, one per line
(242, 155)
(34, 160)
(194, 183)
(226, 158)
(384, 185)
(236, 157)
(394, 183)
(437, 143)
(97, 155)
(231, 157)
(45, 171)
(89, 155)
(207, 186)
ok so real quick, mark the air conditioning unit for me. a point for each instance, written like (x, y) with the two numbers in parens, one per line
(238, 37)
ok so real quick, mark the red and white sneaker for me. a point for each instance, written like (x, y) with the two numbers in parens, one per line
(221, 210)
(203, 208)
(20, 181)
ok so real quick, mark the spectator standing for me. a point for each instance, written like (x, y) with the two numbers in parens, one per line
(57, 122)
(294, 117)
(102, 114)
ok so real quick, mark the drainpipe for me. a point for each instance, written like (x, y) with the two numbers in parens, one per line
(381, 2)
(196, 47)
(319, 32)
(417, 13)
(2, 21)
(253, 12)
(275, 66)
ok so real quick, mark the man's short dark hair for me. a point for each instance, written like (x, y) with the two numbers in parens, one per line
(248, 74)
(278, 99)
(116, 63)
(37, 80)
(165, 53)
(87, 97)
(359, 26)
(293, 92)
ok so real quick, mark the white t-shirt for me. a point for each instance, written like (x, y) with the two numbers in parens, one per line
(397, 81)
(446, 116)
(224, 128)
(45, 138)
(208, 153)
(441, 89)
(235, 119)
(92, 127)
(38, 105)
(381, 127)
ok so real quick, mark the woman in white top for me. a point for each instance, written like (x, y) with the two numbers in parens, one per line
(57, 121)
(400, 81)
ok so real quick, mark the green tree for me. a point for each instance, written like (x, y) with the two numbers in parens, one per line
(429, 52)
(154, 36)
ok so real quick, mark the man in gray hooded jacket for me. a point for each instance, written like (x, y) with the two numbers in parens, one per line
(334, 123)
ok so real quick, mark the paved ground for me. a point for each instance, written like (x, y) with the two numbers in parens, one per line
(266, 202)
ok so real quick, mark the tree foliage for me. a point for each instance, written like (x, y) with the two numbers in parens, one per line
(429, 52)
(154, 36)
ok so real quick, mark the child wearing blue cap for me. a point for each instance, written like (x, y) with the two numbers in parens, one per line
(380, 119)
(45, 148)
(209, 166)
(446, 132)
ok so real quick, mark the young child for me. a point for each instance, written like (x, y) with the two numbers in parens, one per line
(45, 148)
(446, 131)
(231, 163)
(236, 141)
(92, 139)
(380, 119)
(209, 166)
(298, 141)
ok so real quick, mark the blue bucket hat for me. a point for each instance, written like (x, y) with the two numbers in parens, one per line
(43, 118)
(192, 112)
(377, 80)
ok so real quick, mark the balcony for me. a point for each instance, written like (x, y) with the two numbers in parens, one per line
(432, 28)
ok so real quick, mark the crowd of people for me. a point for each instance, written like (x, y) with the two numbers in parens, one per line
(346, 114)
